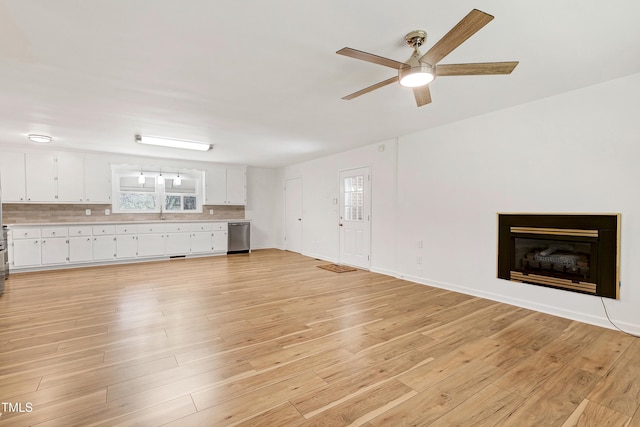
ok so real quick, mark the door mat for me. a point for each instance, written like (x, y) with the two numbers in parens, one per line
(337, 268)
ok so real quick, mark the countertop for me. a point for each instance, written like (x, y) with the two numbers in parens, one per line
(75, 224)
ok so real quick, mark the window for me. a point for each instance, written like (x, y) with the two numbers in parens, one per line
(170, 192)
(354, 198)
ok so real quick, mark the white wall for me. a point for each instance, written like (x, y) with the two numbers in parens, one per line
(576, 152)
(260, 208)
(320, 232)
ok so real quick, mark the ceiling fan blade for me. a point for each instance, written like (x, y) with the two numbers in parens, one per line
(369, 57)
(468, 26)
(423, 95)
(371, 88)
(481, 68)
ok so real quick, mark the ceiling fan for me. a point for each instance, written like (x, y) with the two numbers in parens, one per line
(420, 70)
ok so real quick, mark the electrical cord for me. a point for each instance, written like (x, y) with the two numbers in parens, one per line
(614, 325)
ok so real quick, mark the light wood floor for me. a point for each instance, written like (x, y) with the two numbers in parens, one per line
(269, 339)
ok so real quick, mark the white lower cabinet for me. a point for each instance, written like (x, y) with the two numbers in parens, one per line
(104, 242)
(55, 250)
(80, 243)
(26, 252)
(151, 244)
(220, 238)
(80, 249)
(220, 241)
(177, 239)
(126, 246)
(177, 243)
(104, 248)
(201, 242)
(33, 247)
(25, 247)
(54, 246)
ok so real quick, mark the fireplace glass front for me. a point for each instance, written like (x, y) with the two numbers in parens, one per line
(570, 260)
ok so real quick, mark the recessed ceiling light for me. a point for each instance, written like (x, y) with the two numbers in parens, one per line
(39, 138)
(173, 143)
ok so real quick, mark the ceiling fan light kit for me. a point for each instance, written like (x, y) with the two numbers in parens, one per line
(173, 143)
(420, 70)
(419, 75)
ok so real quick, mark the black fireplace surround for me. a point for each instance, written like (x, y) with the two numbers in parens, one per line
(574, 252)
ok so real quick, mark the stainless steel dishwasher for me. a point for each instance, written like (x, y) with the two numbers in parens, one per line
(239, 237)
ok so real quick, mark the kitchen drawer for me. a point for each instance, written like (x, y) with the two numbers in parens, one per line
(54, 232)
(176, 228)
(81, 230)
(25, 233)
(101, 230)
(207, 226)
(150, 228)
(126, 229)
(220, 226)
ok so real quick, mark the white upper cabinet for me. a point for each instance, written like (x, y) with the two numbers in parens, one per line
(97, 180)
(226, 185)
(215, 184)
(237, 185)
(40, 177)
(48, 177)
(69, 174)
(12, 174)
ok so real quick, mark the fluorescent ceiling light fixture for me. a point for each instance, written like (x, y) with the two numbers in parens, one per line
(39, 138)
(173, 143)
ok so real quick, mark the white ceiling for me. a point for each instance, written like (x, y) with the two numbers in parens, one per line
(260, 79)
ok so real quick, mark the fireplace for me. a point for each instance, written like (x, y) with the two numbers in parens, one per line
(578, 253)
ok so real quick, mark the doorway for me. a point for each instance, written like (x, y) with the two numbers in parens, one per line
(293, 215)
(355, 217)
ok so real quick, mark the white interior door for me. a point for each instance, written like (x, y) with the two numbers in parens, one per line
(293, 215)
(355, 207)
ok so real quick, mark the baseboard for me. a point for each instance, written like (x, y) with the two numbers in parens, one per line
(601, 321)
(320, 257)
(384, 271)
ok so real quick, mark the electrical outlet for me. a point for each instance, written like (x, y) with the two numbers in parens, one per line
(87, 212)
(210, 211)
(107, 212)
(419, 243)
(419, 260)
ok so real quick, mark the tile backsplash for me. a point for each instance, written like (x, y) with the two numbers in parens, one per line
(23, 213)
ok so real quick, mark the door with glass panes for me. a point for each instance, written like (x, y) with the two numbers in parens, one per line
(355, 217)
